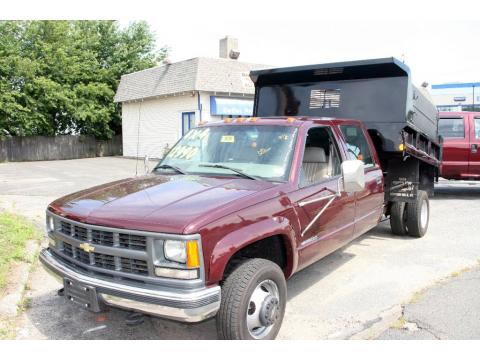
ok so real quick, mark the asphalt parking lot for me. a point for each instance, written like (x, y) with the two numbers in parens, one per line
(336, 298)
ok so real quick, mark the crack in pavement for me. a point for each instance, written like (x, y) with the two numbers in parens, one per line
(423, 327)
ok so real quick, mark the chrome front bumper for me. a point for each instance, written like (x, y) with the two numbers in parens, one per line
(181, 305)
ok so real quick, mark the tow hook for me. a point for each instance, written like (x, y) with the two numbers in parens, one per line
(134, 319)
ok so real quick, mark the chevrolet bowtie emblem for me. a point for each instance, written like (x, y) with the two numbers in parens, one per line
(87, 247)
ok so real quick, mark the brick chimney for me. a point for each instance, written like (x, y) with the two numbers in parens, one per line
(229, 48)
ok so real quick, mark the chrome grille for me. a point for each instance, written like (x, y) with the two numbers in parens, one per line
(134, 242)
(80, 233)
(104, 238)
(104, 261)
(65, 228)
(82, 256)
(134, 266)
(121, 260)
(68, 249)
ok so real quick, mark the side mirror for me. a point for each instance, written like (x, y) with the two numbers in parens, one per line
(353, 175)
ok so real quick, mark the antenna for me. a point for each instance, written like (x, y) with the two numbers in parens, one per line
(138, 137)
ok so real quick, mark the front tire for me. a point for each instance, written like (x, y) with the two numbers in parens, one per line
(253, 302)
(418, 215)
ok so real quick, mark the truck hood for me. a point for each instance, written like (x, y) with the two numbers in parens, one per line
(158, 203)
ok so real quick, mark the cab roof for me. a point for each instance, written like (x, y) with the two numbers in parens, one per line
(279, 120)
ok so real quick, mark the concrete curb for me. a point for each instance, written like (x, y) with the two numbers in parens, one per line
(11, 300)
(372, 328)
(386, 319)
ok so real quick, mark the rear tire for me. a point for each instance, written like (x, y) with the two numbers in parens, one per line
(418, 215)
(398, 218)
(253, 302)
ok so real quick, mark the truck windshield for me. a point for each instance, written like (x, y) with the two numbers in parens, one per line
(250, 151)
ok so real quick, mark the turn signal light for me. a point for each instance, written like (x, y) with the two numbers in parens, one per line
(193, 258)
(401, 147)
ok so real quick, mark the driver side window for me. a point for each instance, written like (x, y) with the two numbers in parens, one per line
(357, 144)
(321, 160)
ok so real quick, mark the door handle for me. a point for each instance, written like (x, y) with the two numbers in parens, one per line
(474, 148)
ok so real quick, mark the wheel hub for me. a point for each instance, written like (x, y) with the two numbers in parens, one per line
(263, 309)
(424, 214)
(269, 311)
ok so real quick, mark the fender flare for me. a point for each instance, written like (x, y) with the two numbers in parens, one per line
(236, 240)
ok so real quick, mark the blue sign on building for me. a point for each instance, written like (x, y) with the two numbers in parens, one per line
(220, 106)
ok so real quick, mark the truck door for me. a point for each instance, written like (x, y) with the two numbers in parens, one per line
(455, 131)
(368, 202)
(474, 159)
(326, 217)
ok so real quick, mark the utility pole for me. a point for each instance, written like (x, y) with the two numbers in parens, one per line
(473, 97)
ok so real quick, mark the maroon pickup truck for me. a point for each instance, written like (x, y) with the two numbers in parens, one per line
(461, 145)
(236, 207)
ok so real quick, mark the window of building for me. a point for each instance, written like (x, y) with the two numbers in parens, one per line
(357, 144)
(188, 122)
(449, 108)
(471, 107)
(451, 127)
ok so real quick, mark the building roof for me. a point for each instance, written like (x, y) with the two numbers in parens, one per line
(197, 74)
(456, 85)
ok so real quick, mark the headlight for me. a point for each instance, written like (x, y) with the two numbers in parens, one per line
(184, 252)
(175, 250)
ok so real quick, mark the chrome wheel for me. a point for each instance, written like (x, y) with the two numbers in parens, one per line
(263, 309)
(424, 214)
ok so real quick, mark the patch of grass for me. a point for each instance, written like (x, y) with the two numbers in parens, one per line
(399, 324)
(417, 296)
(15, 232)
(461, 271)
(455, 274)
(24, 304)
(7, 328)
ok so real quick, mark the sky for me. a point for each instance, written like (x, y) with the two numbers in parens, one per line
(435, 51)
(438, 39)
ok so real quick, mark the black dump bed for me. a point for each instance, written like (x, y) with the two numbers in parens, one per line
(377, 92)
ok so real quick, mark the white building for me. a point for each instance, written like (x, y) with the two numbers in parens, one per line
(161, 104)
(457, 96)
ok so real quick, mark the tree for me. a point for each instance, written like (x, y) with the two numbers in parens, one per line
(60, 77)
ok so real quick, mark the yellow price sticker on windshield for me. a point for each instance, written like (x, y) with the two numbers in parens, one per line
(182, 152)
(227, 139)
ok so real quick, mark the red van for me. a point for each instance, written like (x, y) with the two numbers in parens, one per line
(461, 145)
